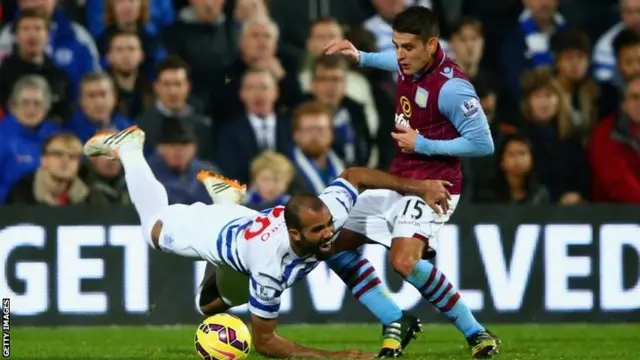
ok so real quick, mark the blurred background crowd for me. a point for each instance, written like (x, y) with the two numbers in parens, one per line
(242, 87)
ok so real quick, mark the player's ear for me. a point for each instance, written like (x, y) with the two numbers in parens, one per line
(294, 234)
(432, 44)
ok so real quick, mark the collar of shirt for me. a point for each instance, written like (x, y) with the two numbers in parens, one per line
(264, 129)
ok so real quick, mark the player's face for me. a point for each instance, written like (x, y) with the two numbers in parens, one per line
(172, 88)
(544, 104)
(631, 14)
(317, 231)
(573, 64)
(413, 54)
(32, 35)
(629, 61)
(125, 53)
(98, 99)
(631, 102)
(321, 35)
(516, 159)
(468, 45)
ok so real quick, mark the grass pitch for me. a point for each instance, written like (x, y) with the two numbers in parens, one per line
(442, 342)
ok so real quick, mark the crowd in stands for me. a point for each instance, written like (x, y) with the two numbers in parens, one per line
(243, 88)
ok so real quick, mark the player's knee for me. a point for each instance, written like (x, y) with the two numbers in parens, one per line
(404, 256)
(156, 230)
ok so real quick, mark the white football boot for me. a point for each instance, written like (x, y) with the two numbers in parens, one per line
(221, 189)
(108, 143)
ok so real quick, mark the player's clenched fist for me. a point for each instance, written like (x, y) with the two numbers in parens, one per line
(343, 47)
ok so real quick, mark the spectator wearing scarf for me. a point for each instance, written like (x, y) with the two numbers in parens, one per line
(528, 46)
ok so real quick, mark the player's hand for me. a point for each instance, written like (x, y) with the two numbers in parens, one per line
(353, 354)
(437, 196)
(345, 48)
(406, 138)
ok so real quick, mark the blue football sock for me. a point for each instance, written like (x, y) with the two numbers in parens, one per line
(361, 278)
(434, 286)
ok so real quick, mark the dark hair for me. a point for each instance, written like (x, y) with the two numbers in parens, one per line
(625, 39)
(29, 14)
(483, 86)
(362, 39)
(329, 62)
(457, 27)
(119, 33)
(296, 205)
(171, 62)
(570, 39)
(417, 20)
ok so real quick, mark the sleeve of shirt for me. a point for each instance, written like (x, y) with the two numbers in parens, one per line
(382, 60)
(264, 296)
(460, 104)
(340, 197)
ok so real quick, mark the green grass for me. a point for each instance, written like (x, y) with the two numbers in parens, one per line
(549, 342)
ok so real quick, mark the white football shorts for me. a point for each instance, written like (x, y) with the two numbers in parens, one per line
(382, 215)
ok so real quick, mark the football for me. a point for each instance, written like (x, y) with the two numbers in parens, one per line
(223, 337)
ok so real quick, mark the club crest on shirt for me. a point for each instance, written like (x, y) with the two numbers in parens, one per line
(470, 107)
(421, 98)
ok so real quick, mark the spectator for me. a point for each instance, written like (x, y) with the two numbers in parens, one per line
(271, 176)
(613, 152)
(322, 32)
(604, 53)
(175, 165)
(72, 48)
(105, 176)
(131, 16)
(134, 89)
(380, 24)
(258, 49)
(97, 108)
(353, 140)
(467, 46)
(247, 9)
(206, 40)
(162, 13)
(571, 49)
(260, 128)
(556, 148)
(515, 181)
(627, 49)
(32, 33)
(172, 88)
(56, 182)
(24, 130)
(316, 164)
(527, 46)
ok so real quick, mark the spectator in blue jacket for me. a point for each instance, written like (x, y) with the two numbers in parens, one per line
(24, 130)
(175, 165)
(71, 46)
(97, 105)
(131, 16)
(162, 14)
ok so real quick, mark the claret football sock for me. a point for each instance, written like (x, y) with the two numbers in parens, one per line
(434, 286)
(147, 194)
(361, 278)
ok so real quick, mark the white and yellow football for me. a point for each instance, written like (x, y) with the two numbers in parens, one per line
(223, 337)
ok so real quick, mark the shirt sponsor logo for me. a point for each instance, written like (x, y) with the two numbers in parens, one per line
(405, 105)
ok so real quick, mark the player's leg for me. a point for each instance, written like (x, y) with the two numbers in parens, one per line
(221, 288)
(208, 299)
(414, 226)
(147, 194)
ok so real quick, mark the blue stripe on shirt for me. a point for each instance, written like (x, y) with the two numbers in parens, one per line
(347, 186)
(459, 103)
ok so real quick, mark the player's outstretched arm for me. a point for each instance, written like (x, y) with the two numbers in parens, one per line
(383, 60)
(268, 343)
(433, 192)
